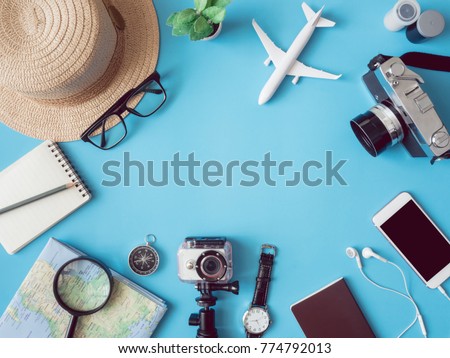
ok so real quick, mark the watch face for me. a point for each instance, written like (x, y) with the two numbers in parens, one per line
(144, 260)
(256, 320)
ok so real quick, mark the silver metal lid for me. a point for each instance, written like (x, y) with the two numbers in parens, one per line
(430, 23)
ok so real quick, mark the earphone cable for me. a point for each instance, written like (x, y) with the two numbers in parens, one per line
(441, 290)
(419, 316)
(398, 293)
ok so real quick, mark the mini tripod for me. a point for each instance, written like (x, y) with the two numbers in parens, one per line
(206, 319)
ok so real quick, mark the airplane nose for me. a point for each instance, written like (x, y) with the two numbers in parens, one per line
(263, 98)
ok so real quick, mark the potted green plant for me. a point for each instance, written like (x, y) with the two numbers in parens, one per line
(204, 22)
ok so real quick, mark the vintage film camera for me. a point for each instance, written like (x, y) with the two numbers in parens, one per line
(404, 113)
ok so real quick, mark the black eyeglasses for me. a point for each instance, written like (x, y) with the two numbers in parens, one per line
(110, 129)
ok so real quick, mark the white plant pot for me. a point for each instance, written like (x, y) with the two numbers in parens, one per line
(215, 34)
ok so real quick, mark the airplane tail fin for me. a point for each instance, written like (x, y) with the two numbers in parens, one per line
(309, 13)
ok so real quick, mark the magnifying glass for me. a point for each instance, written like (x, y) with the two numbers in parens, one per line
(82, 286)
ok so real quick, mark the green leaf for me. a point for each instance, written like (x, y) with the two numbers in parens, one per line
(186, 16)
(220, 3)
(201, 5)
(201, 25)
(170, 21)
(195, 36)
(201, 29)
(215, 14)
(182, 29)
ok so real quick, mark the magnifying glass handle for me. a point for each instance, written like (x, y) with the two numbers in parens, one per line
(72, 326)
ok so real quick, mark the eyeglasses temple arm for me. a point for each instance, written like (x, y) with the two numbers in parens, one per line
(103, 141)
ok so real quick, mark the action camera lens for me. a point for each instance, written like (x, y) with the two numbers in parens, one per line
(378, 128)
(211, 266)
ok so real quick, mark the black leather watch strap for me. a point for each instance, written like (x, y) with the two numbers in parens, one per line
(262, 282)
(263, 279)
(252, 335)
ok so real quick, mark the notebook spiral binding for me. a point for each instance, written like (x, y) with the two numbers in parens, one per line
(69, 169)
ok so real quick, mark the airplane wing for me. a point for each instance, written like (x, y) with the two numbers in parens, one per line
(298, 69)
(301, 70)
(275, 53)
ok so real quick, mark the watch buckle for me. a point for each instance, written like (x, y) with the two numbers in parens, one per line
(268, 249)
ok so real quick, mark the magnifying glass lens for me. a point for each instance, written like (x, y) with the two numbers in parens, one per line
(83, 286)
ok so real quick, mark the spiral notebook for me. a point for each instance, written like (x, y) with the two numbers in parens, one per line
(44, 168)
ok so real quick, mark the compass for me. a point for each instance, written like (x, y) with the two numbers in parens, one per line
(144, 259)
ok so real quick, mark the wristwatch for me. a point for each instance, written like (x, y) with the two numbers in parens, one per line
(256, 320)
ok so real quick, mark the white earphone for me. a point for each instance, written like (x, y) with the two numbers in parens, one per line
(367, 253)
(353, 254)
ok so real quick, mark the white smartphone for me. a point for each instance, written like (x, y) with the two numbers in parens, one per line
(409, 229)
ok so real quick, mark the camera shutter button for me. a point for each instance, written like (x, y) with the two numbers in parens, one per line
(440, 139)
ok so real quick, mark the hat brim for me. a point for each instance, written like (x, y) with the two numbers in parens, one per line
(65, 120)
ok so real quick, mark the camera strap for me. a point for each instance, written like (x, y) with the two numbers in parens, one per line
(427, 61)
(423, 60)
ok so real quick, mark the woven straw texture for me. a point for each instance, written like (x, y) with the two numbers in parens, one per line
(63, 63)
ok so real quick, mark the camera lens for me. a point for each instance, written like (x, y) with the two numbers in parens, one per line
(378, 128)
(211, 266)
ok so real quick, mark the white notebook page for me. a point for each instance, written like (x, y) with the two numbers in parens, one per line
(38, 171)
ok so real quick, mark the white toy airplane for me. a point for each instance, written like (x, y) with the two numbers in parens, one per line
(286, 62)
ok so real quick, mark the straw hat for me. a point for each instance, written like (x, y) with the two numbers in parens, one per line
(63, 63)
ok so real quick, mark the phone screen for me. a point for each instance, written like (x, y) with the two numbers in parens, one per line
(418, 239)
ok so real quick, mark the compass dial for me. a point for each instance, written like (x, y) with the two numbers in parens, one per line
(144, 260)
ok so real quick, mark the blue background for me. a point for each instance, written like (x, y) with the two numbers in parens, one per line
(212, 110)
